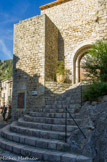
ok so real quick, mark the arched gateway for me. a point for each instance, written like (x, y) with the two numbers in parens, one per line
(78, 59)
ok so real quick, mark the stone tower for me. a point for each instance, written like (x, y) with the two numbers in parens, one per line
(35, 60)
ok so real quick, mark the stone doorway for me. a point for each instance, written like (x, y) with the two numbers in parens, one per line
(79, 74)
(81, 71)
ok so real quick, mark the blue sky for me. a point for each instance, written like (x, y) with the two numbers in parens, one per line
(11, 12)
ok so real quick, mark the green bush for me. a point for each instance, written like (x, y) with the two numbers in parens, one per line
(6, 69)
(60, 67)
(95, 90)
(96, 61)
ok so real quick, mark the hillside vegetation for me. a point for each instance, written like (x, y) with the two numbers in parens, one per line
(6, 69)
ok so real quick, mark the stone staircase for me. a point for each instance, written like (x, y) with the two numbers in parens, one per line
(41, 134)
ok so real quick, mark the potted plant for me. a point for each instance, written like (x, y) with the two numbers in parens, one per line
(60, 72)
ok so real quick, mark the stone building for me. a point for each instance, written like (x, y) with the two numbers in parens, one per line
(6, 91)
(65, 30)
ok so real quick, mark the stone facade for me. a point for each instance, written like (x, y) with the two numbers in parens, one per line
(6, 92)
(29, 36)
(54, 90)
(34, 50)
(102, 18)
(51, 50)
(80, 23)
(65, 30)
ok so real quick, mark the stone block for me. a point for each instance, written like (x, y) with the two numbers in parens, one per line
(50, 157)
(58, 115)
(51, 115)
(10, 137)
(104, 99)
(57, 128)
(25, 152)
(9, 147)
(16, 138)
(37, 154)
(3, 145)
(52, 146)
(47, 127)
(30, 141)
(16, 149)
(22, 140)
(36, 133)
(44, 134)
(53, 136)
(41, 144)
(60, 147)
(38, 126)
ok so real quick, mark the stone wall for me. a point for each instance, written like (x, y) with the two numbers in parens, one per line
(79, 25)
(35, 60)
(54, 89)
(95, 129)
(29, 56)
(51, 50)
(64, 31)
(102, 18)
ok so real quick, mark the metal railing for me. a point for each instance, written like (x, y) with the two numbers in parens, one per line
(66, 118)
(68, 112)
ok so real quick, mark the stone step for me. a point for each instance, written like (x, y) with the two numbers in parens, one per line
(56, 106)
(49, 110)
(61, 105)
(73, 99)
(53, 115)
(52, 109)
(46, 134)
(41, 154)
(57, 121)
(6, 156)
(34, 141)
(44, 126)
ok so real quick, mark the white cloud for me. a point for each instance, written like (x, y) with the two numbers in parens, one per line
(5, 50)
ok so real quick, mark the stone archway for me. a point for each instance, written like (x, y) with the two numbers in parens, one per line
(81, 70)
(78, 71)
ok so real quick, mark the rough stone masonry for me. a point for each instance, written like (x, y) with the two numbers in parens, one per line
(65, 30)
